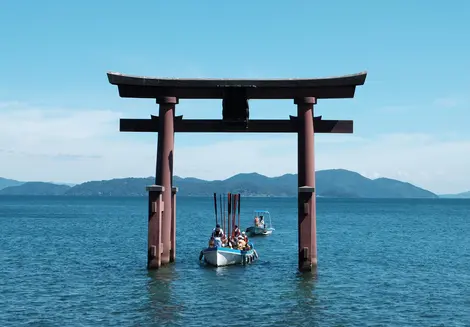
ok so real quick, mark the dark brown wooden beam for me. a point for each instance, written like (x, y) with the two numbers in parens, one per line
(153, 92)
(219, 126)
(345, 80)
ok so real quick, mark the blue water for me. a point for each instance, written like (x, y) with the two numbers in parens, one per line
(81, 262)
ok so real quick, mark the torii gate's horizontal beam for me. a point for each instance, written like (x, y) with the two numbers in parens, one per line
(152, 92)
(219, 126)
(199, 88)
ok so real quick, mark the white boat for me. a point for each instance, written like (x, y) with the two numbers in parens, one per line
(218, 255)
(259, 231)
(260, 227)
(225, 256)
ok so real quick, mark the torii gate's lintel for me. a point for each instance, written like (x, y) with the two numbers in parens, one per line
(219, 126)
(321, 88)
(153, 92)
(235, 94)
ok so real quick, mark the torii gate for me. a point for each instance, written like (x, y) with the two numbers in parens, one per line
(235, 94)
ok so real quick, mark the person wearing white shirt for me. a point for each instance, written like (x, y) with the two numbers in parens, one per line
(217, 231)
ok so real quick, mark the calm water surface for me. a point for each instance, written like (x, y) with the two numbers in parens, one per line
(81, 262)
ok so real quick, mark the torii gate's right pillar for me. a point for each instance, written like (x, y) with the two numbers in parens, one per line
(307, 231)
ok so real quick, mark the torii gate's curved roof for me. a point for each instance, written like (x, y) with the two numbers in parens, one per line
(201, 88)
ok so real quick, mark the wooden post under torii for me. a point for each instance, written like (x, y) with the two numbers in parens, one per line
(234, 94)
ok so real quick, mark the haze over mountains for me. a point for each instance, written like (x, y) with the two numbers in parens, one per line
(336, 183)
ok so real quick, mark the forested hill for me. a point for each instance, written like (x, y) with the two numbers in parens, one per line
(338, 183)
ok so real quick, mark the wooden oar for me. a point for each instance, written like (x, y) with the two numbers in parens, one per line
(229, 207)
(215, 208)
(223, 213)
(234, 204)
(221, 208)
(238, 210)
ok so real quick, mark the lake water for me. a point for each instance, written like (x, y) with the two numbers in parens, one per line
(82, 262)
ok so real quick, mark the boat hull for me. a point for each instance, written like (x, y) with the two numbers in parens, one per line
(259, 231)
(221, 256)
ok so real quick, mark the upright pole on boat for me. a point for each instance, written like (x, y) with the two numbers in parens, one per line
(221, 208)
(231, 214)
(215, 208)
(238, 196)
(234, 211)
(229, 205)
(223, 204)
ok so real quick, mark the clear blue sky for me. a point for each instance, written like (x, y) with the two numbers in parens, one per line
(55, 54)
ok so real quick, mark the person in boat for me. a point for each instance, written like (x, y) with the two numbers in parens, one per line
(211, 242)
(256, 221)
(236, 231)
(241, 243)
(261, 221)
(229, 244)
(226, 242)
(245, 238)
(218, 242)
(217, 231)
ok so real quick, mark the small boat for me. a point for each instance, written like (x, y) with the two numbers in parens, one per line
(260, 227)
(218, 255)
(225, 256)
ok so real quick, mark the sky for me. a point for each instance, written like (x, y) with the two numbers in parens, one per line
(59, 116)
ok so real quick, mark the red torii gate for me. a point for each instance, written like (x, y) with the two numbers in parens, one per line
(235, 94)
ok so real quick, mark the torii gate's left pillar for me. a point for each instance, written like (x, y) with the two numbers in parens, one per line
(307, 230)
(155, 213)
(155, 209)
(164, 173)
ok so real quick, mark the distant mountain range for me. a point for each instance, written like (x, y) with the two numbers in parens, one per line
(5, 182)
(463, 195)
(335, 183)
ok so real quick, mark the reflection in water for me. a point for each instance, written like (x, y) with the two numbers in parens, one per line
(221, 271)
(307, 308)
(303, 308)
(307, 280)
(162, 307)
(305, 287)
